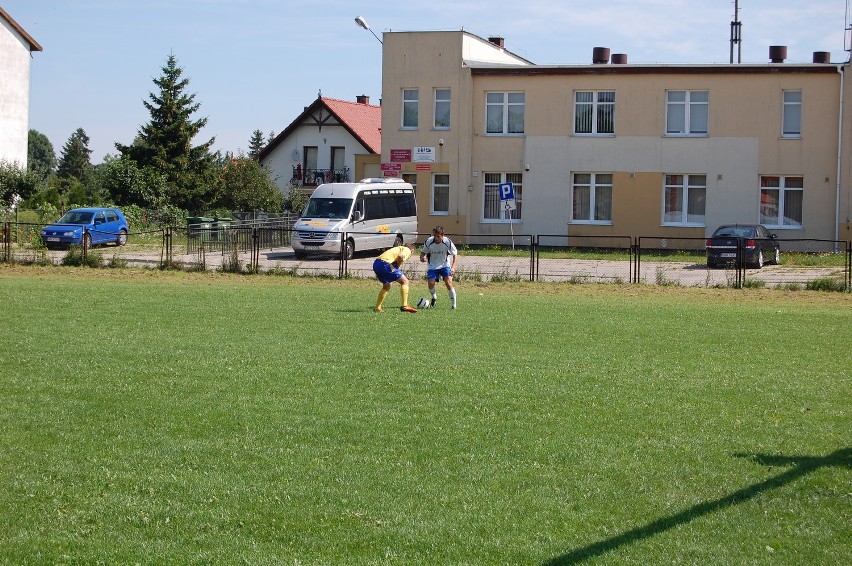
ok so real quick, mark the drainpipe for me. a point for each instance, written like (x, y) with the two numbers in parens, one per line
(840, 70)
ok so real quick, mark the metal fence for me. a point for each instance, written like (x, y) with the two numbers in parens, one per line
(264, 245)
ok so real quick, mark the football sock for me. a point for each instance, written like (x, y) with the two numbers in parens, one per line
(453, 297)
(381, 298)
(403, 290)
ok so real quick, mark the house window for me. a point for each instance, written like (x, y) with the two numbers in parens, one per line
(311, 172)
(591, 198)
(791, 121)
(440, 194)
(781, 201)
(493, 209)
(410, 108)
(594, 112)
(504, 113)
(684, 200)
(687, 112)
(442, 109)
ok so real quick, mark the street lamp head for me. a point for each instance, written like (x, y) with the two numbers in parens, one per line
(362, 23)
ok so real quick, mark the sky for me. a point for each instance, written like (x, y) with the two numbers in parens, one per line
(256, 64)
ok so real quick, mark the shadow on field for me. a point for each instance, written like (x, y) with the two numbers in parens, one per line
(802, 465)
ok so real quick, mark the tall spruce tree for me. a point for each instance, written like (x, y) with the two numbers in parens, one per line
(256, 144)
(165, 143)
(74, 163)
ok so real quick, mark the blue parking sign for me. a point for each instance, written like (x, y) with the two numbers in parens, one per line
(507, 191)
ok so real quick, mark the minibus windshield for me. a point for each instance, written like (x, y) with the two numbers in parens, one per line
(328, 208)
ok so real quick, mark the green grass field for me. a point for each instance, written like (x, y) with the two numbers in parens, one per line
(201, 418)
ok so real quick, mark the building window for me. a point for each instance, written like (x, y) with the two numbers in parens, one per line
(684, 200)
(504, 113)
(493, 209)
(591, 198)
(781, 201)
(791, 121)
(442, 109)
(440, 194)
(410, 108)
(594, 112)
(687, 112)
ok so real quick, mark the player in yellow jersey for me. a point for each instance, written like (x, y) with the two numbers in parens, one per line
(387, 269)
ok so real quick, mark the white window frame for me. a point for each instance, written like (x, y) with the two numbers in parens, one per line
(685, 110)
(596, 181)
(510, 100)
(598, 107)
(440, 104)
(786, 186)
(690, 186)
(792, 110)
(491, 185)
(412, 104)
(433, 197)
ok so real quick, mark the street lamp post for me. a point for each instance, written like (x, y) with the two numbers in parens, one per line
(362, 23)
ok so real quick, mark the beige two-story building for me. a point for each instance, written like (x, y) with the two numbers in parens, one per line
(612, 148)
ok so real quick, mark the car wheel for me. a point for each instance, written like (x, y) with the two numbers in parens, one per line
(87, 241)
(397, 241)
(760, 262)
(349, 249)
(711, 264)
(122, 237)
(777, 256)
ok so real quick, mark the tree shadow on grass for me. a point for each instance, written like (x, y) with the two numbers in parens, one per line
(801, 466)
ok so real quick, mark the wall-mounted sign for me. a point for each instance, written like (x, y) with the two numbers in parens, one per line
(390, 173)
(423, 155)
(400, 155)
(391, 166)
(423, 167)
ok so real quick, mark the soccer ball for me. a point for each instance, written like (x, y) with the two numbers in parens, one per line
(424, 303)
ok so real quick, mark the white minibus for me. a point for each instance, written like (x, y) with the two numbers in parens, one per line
(372, 214)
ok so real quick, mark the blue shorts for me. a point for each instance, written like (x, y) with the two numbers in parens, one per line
(436, 274)
(386, 272)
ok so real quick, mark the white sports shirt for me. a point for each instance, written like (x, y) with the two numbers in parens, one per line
(439, 253)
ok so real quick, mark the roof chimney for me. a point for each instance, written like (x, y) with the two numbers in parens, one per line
(822, 57)
(777, 53)
(362, 99)
(619, 58)
(600, 55)
(498, 41)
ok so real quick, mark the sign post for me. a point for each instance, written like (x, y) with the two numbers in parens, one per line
(507, 200)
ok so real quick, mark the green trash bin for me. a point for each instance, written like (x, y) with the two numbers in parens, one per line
(199, 226)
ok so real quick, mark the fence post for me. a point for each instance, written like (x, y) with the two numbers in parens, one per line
(635, 257)
(533, 257)
(85, 244)
(848, 267)
(7, 234)
(255, 250)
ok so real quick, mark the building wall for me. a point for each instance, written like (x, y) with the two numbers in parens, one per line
(744, 140)
(14, 95)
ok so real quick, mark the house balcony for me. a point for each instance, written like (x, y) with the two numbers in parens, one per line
(313, 177)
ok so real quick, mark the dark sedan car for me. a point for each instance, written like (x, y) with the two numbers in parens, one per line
(757, 246)
(95, 225)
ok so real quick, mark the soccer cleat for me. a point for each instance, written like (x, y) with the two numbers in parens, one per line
(434, 300)
(380, 309)
(407, 308)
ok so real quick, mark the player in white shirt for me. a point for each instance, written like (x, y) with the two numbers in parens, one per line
(441, 254)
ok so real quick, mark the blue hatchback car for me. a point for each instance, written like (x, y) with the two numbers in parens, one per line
(95, 225)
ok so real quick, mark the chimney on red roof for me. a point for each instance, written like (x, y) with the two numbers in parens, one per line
(362, 99)
(498, 41)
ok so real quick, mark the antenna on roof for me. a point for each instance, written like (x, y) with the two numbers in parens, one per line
(736, 33)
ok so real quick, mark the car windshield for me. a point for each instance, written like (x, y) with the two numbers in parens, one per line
(76, 217)
(328, 208)
(736, 232)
